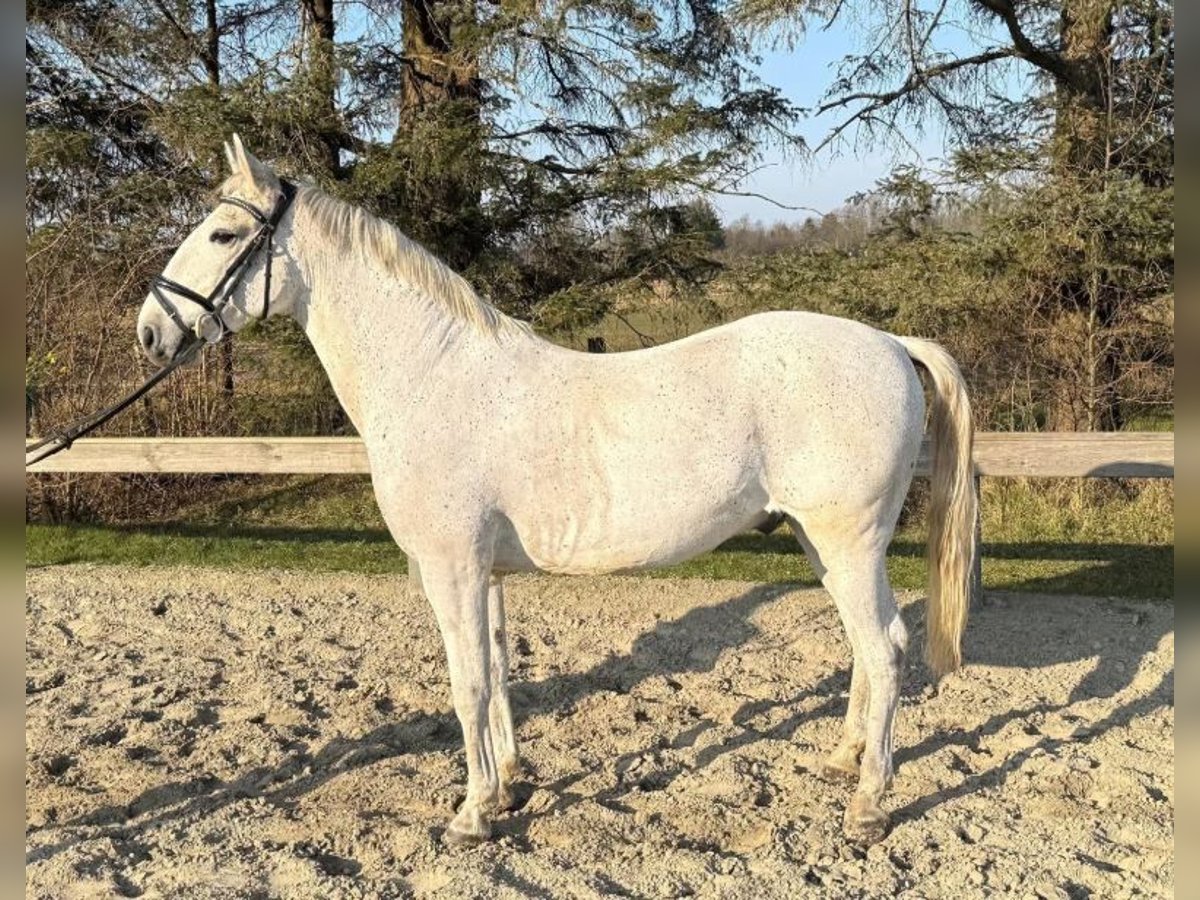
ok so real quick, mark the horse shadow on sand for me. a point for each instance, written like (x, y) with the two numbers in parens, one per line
(710, 631)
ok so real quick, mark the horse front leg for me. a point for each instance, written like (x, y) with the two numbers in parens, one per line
(458, 592)
(504, 740)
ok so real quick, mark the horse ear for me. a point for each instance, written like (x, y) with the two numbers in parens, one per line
(241, 162)
(231, 159)
(249, 164)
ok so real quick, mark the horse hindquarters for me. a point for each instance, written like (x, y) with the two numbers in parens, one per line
(841, 481)
(845, 527)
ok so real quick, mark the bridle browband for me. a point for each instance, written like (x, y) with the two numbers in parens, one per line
(214, 304)
(198, 335)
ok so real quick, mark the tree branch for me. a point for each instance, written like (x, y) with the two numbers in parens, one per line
(916, 80)
(726, 192)
(188, 37)
(1025, 48)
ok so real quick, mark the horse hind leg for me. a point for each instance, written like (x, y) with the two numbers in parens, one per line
(853, 570)
(868, 608)
(843, 763)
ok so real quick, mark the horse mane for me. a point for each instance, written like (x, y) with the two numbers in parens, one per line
(351, 229)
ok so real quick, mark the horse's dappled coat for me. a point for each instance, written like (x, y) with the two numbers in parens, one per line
(494, 451)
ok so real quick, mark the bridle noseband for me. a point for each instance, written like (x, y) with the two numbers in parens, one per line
(210, 326)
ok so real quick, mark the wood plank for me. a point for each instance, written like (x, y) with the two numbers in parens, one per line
(1002, 454)
(248, 455)
(1076, 454)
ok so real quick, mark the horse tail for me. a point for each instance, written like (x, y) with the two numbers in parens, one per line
(953, 506)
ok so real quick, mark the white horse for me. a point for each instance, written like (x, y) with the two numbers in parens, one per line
(494, 451)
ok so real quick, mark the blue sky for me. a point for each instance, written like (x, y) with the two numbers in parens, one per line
(822, 182)
(803, 73)
(825, 181)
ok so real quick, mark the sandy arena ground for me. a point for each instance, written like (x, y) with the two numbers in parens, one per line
(196, 734)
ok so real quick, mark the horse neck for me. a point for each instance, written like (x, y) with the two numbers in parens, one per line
(377, 336)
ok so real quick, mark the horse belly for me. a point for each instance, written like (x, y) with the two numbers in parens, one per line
(636, 526)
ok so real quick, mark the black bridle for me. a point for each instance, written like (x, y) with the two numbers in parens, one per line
(209, 327)
(218, 298)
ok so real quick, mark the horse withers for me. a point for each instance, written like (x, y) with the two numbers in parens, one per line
(494, 451)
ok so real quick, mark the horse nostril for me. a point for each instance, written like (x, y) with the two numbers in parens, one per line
(149, 336)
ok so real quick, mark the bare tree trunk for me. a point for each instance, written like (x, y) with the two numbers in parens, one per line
(321, 74)
(211, 57)
(1082, 153)
(436, 71)
(212, 44)
(1081, 129)
(440, 87)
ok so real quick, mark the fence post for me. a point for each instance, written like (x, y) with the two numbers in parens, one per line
(977, 559)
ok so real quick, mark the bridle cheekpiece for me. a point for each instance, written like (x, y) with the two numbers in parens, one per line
(210, 327)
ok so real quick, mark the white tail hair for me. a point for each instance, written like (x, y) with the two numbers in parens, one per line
(953, 506)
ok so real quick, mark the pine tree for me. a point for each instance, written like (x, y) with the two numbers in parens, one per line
(1097, 126)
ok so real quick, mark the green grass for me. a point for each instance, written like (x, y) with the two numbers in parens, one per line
(223, 547)
(1096, 537)
(1120, 570)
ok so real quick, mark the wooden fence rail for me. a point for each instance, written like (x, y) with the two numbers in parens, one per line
(1003, 454)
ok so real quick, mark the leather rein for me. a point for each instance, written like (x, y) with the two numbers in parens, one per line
(209, 328)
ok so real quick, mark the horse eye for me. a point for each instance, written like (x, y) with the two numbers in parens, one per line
(223, 237)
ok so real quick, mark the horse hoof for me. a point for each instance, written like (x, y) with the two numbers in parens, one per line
(865, 823)
(506, 800)
(456, 838)
(837, 771)
(842, 764)
(516, 796)
(865, 834)
(468, 829)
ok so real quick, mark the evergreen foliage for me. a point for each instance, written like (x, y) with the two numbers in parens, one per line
(563, 156)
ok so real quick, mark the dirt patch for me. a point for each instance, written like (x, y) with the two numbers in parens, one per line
(205, 734)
